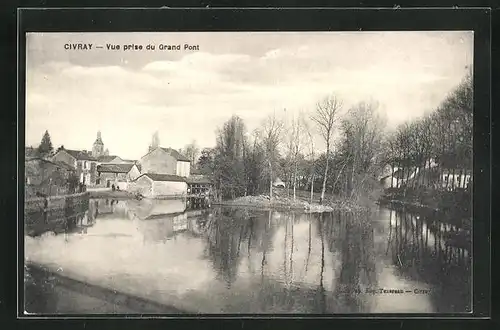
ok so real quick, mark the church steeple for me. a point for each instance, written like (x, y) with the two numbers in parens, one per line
(155, 141)
(98, 148)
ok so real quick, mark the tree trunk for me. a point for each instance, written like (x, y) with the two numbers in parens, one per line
(337, 178)
(326, 174)
(453, 178)
(423, 174)
(312, 187)
(270, 181)
(392, 175)
(294, 181)
(407, 175)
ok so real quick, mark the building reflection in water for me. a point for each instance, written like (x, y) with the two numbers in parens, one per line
(285, 262)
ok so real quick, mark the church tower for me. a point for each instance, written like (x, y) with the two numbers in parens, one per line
(98, 148)
(155, 142)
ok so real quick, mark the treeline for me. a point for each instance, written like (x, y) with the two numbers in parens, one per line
(436, 150)
(248, 163)
(357, 150)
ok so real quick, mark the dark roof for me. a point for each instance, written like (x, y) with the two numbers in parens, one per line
(198, 179)
(195, 171)
(174, 153)
(164, 177)
(55, 163)
(78, 154)
(114, 168)
(106, 159)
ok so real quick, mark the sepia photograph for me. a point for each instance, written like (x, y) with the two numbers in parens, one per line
(178, 173)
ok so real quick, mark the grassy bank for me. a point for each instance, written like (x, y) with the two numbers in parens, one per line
(283, 200)
(457, 202)
(111, 194)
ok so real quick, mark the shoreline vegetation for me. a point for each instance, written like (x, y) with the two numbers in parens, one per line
(456, 203)
(282, 200)
(280, 203)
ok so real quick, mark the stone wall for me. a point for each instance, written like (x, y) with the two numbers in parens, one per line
(167, 188)
(55, 202)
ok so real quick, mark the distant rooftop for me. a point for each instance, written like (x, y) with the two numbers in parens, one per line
(174, 153)
(106, 159)
(164, 177)
(114, 168)
(55, 163)
(79, 154)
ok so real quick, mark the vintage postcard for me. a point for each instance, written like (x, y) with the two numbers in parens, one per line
(248, 172)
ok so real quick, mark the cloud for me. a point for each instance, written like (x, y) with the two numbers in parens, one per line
(188, 96)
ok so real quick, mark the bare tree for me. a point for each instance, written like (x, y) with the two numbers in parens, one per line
(271, 132)
(310, 142)
(295, 134)
(298, 130)
(191, 151)
(325, 117)
(363, 137)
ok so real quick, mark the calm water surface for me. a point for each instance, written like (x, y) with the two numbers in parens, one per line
(225, 260)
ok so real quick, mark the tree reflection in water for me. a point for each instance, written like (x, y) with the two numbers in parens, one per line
(351, 237)
(420, 252)
(223, 237)
(282, 262)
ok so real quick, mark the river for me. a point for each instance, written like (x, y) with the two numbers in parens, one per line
(235, 260)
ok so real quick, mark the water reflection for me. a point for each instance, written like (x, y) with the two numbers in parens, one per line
(245, 261)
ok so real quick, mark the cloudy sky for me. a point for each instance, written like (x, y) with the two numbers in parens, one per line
(187, 94)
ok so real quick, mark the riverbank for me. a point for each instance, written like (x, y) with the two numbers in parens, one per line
(288, 203)
(54, 202)
(117, 194)
(62, 294)
(457, 202)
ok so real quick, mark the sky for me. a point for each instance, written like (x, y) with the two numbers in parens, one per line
(186, 94)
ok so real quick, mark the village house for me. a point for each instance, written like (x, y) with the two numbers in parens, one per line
(428, 176)
(82, 161)
(278, 183)
(47, 177)
(117, 175)
(165, 161)
(85, 162)
(156, 185)
(452, 181)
